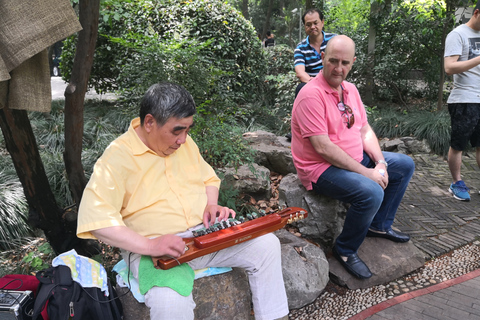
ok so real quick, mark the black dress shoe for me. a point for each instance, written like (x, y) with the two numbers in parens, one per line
(354, 265)
(395, 236)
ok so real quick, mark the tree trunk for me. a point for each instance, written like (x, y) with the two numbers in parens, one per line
(372, 32)
(309, 5)
(447, 26)
(75, 95)
(44, 211)
(267, 18)
(245, 9)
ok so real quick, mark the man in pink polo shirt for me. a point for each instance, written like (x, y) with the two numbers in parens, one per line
(337, 154)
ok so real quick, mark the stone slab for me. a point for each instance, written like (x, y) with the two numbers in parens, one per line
(387, 261)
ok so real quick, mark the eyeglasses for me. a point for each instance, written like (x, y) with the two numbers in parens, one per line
(349, 119)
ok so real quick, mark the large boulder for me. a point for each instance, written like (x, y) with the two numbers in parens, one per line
(325, 215)
(305, 269)
(272, 152)
(218, 297)
(255, 183)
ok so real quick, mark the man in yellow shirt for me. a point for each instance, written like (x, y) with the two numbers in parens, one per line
(151, 187)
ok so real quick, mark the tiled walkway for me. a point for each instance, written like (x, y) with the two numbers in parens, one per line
(438, 224)
(456, 299)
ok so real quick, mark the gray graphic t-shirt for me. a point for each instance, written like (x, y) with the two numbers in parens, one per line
(463, 41)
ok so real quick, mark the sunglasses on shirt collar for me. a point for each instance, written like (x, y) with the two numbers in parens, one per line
(347, 114)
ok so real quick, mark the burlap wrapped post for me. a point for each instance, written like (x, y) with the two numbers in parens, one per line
(27, 29)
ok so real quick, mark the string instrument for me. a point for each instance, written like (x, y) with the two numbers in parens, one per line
(229, 233)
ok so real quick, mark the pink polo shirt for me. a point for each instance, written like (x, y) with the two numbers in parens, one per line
(315, 112)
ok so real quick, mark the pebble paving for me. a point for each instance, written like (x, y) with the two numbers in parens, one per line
(446, 230)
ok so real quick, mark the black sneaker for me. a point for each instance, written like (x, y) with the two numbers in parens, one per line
(289, 137)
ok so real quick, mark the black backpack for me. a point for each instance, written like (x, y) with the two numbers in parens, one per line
(67, 299)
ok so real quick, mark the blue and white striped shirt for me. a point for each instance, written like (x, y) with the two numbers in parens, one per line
(306, 55)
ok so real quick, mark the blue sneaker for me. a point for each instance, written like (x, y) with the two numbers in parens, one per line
(460, 191)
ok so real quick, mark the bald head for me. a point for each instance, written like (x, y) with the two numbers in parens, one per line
(341, 43)
(338, 59)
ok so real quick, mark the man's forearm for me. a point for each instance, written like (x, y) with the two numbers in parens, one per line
(335, 155)
(124, 238)
(453, 66)
(370, 144)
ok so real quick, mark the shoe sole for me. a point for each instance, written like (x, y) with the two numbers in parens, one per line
(458, 198)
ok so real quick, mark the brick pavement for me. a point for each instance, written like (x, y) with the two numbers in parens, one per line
(456, 299)
(436, 221)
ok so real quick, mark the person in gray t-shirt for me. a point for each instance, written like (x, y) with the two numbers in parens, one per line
(462, 59)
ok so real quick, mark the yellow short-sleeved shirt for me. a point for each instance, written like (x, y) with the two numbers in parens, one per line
(133, 186)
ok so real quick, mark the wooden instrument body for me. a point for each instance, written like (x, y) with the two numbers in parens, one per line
(213, 242)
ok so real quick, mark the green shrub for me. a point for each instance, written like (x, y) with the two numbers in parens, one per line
(13, 210)
(434, 127)
(273, 111)
(225, 39)
(220, 143)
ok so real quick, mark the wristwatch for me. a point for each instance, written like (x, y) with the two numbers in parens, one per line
(382, 161)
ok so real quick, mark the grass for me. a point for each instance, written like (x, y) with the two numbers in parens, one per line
(434, 127)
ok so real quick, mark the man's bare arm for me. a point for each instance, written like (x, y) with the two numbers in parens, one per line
(301, 74)
(340, 159)
(127, 239)
(453, 66)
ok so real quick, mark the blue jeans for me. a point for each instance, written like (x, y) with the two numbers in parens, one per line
(371, 206)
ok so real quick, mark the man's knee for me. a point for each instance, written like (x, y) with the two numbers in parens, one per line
(165, 303)
(269, 245)
(400, 161)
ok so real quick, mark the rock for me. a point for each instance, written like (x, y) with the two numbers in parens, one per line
(305, 269)
(219, 297)
(325, 215)
(256, 184)
(415, 146)
(259, 137)
(395, 145)
(387, 260)
(223, 296)
(272, 152)
(405, 145)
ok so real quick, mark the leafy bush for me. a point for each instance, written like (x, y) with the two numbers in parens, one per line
(103, 123)
(13, 210)
(273, 111)
(220, 143)
(225, 39)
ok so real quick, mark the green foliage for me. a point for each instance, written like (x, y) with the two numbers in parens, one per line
(408, 50)
(35, 260)
(220, 143)
(177, 62)
(346, 16)
(13, 210)
(103, 123)
(431, 126)
(26, 256)
(273, 111)
(213, 31)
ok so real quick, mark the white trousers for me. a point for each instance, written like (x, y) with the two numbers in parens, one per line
(261, 258)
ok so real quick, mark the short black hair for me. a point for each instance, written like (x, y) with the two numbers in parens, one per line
(269, 33)
(477, 6)
(313, 10)
(166, 100)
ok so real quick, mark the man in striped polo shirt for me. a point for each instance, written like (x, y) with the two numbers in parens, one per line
(307, 55)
